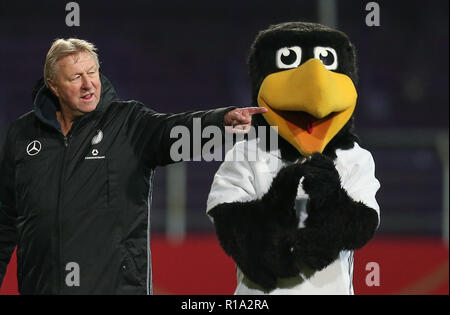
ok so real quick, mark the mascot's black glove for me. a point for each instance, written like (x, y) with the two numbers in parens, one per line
(335, 221)
(255, 234)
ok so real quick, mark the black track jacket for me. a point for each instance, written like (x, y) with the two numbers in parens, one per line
(84, 199)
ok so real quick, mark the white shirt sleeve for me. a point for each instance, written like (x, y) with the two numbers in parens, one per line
(234, 181)
(357, 170)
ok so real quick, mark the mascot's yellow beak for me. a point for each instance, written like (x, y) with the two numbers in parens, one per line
(309, 104)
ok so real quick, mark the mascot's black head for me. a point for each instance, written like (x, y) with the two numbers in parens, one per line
(305, 74)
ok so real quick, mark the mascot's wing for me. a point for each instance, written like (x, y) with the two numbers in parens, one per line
(250, 228)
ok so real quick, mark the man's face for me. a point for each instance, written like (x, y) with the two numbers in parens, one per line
(77, 83)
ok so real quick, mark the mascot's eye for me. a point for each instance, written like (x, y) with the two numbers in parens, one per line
(327, 56)
(289, 57)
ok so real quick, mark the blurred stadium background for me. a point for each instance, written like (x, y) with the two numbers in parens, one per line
(183, 55)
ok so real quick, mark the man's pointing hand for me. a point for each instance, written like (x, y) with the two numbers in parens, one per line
(239, 120)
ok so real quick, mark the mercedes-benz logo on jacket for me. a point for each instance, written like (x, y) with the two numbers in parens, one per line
(34, 148)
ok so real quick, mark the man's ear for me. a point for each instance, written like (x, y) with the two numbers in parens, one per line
(53, 87)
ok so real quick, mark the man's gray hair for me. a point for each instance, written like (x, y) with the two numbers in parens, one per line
(65, 47)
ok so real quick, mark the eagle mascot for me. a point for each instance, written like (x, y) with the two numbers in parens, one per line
(291, 218)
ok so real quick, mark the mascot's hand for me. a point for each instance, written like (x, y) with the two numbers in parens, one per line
(317, 245)
(321, 179)
(282, 193)
(279, 203)
(326, 196)
(349, 223)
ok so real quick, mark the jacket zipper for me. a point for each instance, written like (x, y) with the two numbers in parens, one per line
(66, 141)
(58, 215)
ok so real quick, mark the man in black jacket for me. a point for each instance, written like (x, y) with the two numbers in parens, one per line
(76, 178)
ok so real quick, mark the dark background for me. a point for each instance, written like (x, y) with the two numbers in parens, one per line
(183, 55)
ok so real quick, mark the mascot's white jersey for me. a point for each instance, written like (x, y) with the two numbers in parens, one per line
(247, 174)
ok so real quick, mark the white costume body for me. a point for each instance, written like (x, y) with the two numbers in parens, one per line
(247, 173)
